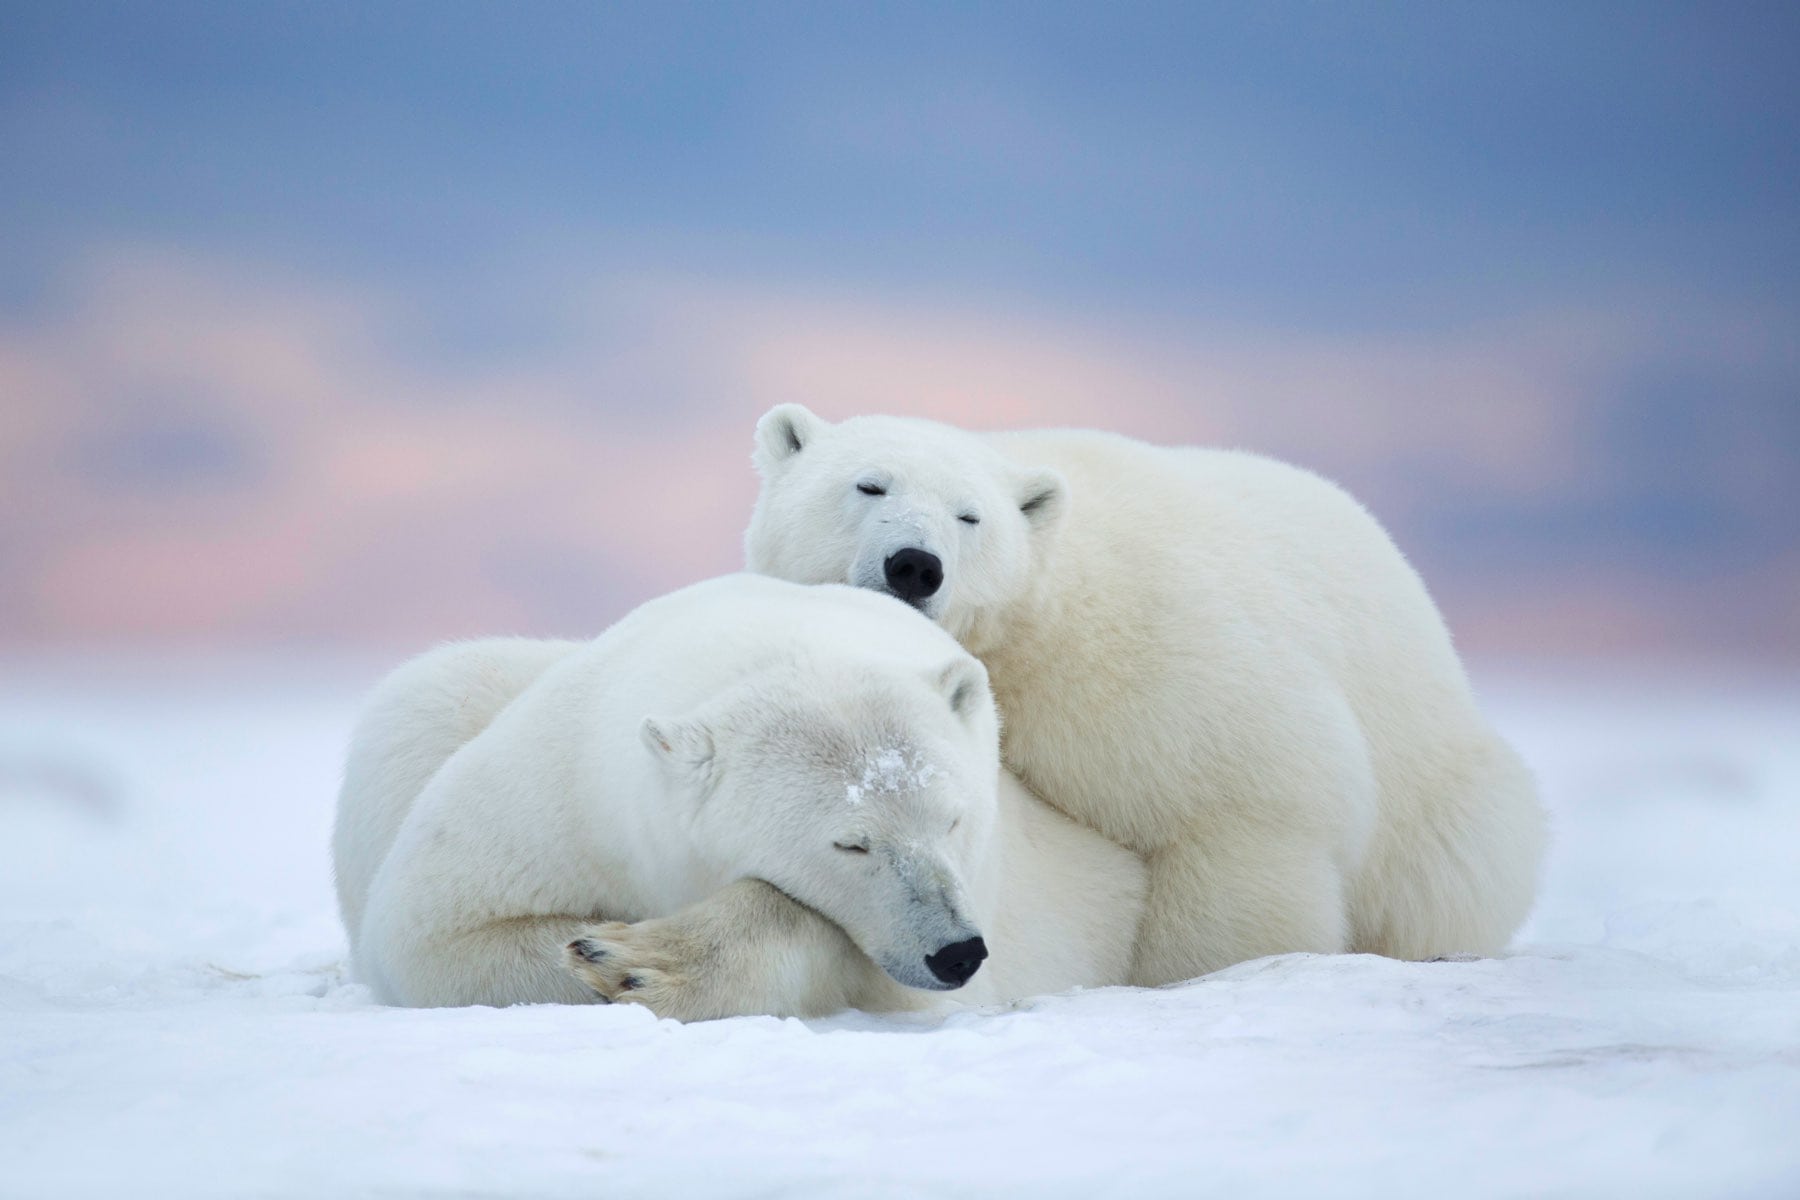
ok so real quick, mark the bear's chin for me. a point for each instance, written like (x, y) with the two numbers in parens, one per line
(914, 975)
(929, 606)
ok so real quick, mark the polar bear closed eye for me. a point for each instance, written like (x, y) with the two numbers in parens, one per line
(1216, 660)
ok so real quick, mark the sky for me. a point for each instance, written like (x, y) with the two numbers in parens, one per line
(345, 324)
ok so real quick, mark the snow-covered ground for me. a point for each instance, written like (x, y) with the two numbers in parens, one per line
(175, 1019)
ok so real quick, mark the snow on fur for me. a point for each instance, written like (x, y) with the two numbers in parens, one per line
(888, 770)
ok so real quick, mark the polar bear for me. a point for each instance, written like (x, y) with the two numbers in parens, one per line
(513, 827)
(1214, 659)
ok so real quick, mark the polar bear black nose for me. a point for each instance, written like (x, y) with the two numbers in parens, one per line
(956, 963)
(913, 574)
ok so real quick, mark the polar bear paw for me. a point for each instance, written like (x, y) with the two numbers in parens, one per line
(637, 964)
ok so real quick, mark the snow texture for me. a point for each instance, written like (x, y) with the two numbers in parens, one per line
(175, 1018)
(888, 771)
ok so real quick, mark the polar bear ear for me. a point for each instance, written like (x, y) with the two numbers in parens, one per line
(1043, 495)
(963, 683)
(683, 746)
(783, 432)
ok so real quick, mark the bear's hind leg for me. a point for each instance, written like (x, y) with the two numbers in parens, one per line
(1460, 875)
(1221, 900)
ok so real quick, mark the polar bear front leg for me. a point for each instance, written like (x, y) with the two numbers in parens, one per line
(510, 960)
(746, 949)
(1226, 899)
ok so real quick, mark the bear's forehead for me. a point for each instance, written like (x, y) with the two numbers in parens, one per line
(920, 451)
(849, 730)
(892, 770)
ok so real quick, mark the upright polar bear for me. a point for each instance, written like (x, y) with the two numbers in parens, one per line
(503, 798)
(1212, 658)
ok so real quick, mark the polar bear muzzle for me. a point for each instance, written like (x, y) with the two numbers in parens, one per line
(914, 575)
(957, 963)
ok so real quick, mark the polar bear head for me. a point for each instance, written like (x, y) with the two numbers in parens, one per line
(924, 512)
(867, 792)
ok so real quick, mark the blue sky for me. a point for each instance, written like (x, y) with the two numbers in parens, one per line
(1593, 205)
(1329, 164)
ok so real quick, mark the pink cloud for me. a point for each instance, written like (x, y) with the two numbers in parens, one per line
(401, 499)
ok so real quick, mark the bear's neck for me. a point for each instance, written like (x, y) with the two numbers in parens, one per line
(1031, 624)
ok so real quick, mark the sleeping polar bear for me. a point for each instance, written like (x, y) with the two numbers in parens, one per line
(635, 818)
(1214, 659)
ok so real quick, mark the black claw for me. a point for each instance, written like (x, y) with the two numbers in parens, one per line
(631, 984)
(588, 950)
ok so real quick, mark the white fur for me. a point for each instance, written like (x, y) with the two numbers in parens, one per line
(1215, 659)
(657, 800)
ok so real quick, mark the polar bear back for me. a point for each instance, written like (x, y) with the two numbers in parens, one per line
(1226, 537)
(411, 724)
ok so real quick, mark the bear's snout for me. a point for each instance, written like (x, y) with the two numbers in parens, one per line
(957, 963)
(914, 575)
